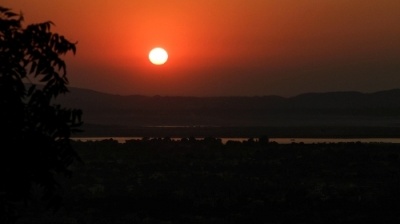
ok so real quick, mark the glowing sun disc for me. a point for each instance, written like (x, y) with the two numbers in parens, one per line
(158, 56)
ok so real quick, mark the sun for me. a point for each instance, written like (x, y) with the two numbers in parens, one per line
(158, 56)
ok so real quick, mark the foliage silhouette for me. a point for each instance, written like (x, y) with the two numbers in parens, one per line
(34, 132)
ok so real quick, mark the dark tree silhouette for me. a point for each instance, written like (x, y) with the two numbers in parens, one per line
(34, 132)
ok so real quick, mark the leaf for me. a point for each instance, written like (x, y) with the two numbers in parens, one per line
(10, 14)
(40, 67)
(51, 82)
(73, 48)
(2, 9)
(33, 67)
(47, 78)
(31, 89)
(61, 65)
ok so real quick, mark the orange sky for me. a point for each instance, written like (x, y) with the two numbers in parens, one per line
(235, 47)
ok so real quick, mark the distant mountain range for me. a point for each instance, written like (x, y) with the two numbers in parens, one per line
(103, 113)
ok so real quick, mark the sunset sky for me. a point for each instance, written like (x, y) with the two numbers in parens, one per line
(226, 47)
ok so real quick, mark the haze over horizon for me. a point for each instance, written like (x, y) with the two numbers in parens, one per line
(71, 88)
(226, 48)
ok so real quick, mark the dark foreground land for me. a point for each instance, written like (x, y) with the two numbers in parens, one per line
(205, 181)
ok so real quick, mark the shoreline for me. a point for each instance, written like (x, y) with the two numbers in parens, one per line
(242, 140)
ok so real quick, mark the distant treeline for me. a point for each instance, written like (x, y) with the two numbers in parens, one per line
(158, 180)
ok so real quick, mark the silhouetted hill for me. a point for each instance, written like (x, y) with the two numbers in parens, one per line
(331, 109)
